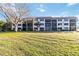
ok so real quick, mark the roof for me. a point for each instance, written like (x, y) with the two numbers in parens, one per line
(50, 17)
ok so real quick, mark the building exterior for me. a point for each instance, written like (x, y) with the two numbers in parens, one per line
(47, 24)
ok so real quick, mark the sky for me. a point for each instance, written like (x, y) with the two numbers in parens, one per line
(53, 9)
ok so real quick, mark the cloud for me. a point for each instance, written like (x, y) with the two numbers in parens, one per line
(71, 4)
(41, 8)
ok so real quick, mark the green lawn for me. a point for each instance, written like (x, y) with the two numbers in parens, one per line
(39, 44)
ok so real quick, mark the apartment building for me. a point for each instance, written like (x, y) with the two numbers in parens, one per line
(47, 24)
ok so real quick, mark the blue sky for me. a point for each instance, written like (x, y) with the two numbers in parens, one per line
(54, 9)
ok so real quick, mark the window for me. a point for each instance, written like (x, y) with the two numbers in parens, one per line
(59, 28)
(38, 24)
(48, 24)
(59, 19)
(47, 20)
(24, 24)
(19, 28)
(41, 19)
(54, 21)
(41, 23)
(65, 23)
(36, 19)
(35, 28)
(72, 24)
(65, 19)
(19, 24)
(35, 24)
(59, 23)
(72, 20)
(65, 28)
(41, 29)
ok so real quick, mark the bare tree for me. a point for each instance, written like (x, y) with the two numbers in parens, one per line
(14, 13)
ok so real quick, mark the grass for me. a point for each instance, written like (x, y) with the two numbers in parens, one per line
(39, 43)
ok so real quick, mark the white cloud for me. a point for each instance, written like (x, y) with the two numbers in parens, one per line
(41, 8)
(71, 4)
